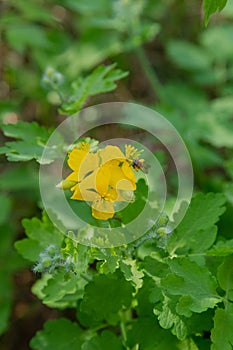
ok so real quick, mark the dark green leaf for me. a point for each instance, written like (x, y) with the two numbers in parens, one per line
(211, 6)
(198, 223)
(58, 334)
(106, 341)
(222, 335)
(97, 304)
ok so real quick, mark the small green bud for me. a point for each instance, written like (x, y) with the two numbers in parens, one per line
(66, 184)
(46, 262)
(162, 220)
(57, 78)
(51, 250)
(161, 231)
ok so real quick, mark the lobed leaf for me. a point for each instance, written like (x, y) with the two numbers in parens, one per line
(221, 334)
(31, 144)
(197, 232)
(58, 334)
(41, 234)
(195, 283)
(103, 290)
(105, 341)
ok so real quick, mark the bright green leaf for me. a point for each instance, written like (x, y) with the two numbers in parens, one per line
(168, 319)
(193, 281)
(131, 272)
(221, 249)
(32, 143)
(41, 233)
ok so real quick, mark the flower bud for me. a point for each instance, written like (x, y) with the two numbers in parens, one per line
(66, 184)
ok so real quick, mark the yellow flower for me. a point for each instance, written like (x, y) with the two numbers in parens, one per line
(100, 178)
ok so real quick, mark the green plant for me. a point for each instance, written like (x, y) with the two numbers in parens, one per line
(170, 288)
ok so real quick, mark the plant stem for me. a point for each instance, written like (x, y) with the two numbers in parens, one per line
(149, 72)
(123, 332)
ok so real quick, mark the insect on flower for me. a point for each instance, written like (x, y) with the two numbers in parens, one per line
(139, 164)
(132, 155)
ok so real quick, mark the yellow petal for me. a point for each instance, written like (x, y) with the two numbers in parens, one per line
(83, 194)
(72, 177)
(102, 210)
(110, 153)
(122, 176)
(76, 156)
(88, 165)
(127, 170)
(102, 180)
(83, 162)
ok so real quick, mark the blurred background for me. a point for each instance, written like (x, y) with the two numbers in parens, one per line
(176, 65)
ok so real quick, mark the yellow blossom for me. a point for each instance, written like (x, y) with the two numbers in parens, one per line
(100, 178)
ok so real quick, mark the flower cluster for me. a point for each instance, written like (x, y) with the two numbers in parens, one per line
(102, 178)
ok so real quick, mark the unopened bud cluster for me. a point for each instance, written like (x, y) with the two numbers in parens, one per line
(51, 260)
(52, 79)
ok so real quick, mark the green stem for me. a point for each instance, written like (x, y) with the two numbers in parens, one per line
(125, 317)
(123, 332)
(149, 72)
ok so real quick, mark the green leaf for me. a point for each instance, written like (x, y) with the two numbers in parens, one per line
(197, 231)
(211, 6)
(107, 340)
(167, 319)
(41, 233)
(221, 249)
(225, 274)
(147, 296)
(18, 38)
(102, 79)
(193, 282)
(219, 36)
(60, 290)
(155, 267)
(58, 334)
(97, 304)
(148, 335)
(35, 12)
(188, 56)
(221, 334)
(131, 272)
(10, 262)
(109, 265)
(32, 143)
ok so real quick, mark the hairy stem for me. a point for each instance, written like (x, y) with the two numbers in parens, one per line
(149, 72)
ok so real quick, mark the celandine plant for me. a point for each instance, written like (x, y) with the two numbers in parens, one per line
(170, 287)
(161, 280)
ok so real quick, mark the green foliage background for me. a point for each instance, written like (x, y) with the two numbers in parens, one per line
(165, 291)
